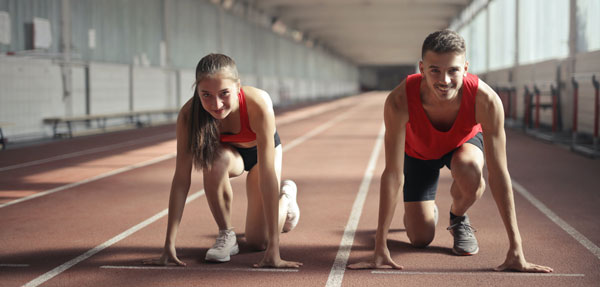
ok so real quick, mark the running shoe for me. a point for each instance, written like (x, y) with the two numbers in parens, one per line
(290, 190)
(435, 214)
(225, 246)
(465, 242)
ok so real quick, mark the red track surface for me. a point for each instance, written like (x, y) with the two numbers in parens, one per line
(327, 148)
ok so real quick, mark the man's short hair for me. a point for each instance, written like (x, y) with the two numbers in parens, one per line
(444, 41)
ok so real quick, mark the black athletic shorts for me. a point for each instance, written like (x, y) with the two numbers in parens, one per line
(250, 155)
(421, 176)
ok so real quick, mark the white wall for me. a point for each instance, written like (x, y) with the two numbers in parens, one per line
(153, 88)
(109, 88)
(30, 90)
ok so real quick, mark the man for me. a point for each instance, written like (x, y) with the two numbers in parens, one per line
(442, 116)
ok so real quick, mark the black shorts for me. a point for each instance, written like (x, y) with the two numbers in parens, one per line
(250, 155)
(421, 176)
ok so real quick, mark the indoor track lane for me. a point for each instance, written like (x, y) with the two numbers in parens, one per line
(327, 149)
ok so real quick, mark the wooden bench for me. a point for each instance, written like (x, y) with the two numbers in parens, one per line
(3, 140)
(134, 117)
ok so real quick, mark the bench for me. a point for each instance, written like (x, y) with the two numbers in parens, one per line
(134, 117)
(3, 140)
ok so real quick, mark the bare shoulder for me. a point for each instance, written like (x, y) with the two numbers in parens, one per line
(257, 99)
(395, 103)
(184, 112)
(486, 96)
(488, 107)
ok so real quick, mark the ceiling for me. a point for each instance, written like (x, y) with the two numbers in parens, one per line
(367, 32)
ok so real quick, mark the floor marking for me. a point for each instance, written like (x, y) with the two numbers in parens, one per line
(341, 259)
(84, 152)
(209, 269)
(287, 146)
(56, 271)
(490, 273)
(91, 179)
(147, 139)
(316, 131)
(52, 273)
(561, 223)
(14, 265)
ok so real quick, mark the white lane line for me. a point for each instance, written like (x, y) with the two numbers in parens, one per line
(317, 130)
(561, 223)
(84, 152)
(101, 176)
(341, 259)
(287, 146)
(286, 121)
(52, 273)
(491, 273)
(14, 265)
(208, 269)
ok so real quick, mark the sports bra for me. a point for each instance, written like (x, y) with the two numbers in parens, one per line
(245, 134)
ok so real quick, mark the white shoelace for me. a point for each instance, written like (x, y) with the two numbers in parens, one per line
(221, 241)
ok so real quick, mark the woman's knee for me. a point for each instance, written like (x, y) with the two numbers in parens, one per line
(222, 163)
(256, 243)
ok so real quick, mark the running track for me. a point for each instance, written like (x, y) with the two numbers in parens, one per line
(86, 211)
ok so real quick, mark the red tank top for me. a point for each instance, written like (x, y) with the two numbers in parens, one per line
(423, 140)
(245, 134)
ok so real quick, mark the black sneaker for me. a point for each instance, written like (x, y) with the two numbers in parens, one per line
(465, 242)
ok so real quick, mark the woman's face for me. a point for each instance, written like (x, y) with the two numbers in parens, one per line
(218, 95)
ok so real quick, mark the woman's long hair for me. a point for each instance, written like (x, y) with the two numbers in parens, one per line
(204, 137)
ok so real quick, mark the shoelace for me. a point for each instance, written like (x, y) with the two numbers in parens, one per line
(221, 241)
(466, 226)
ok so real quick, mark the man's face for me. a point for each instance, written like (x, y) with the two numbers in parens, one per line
(443, 73)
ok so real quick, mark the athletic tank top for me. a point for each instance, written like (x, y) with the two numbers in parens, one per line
(245, 134)
(423, 140)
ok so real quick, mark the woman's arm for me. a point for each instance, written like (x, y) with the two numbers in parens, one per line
(262, 122)
(179, 190)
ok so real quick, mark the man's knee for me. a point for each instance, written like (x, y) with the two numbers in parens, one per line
(469, 175)
(421, 240)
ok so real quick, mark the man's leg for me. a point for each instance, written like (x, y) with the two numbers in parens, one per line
(420, 184)
(467, 171)
(468, 186)
(419, 221)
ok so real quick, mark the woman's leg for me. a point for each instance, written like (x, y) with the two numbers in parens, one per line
(256, 227)
(217, 187)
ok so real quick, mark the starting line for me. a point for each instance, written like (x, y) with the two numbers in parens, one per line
(482, 273)
(209, 269)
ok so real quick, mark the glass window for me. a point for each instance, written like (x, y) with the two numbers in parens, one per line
(543, 30)
(588, 25)
(502, 15)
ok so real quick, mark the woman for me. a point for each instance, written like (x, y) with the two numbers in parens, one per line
(223, 130)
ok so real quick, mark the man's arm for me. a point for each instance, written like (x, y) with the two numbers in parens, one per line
(395, 116)
(490, 113)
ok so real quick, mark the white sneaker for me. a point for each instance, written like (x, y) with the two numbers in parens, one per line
(435, 214)
(289, 189)
(225, 246)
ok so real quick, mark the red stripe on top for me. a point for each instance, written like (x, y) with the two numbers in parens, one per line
(246, 134)
(423, 140)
